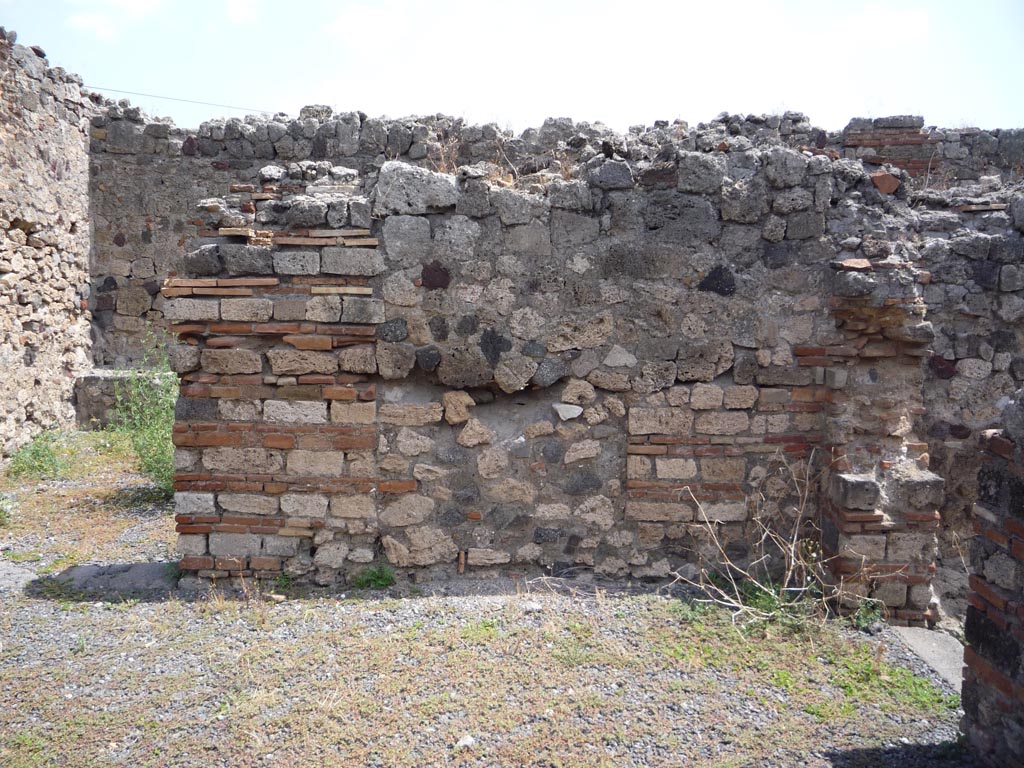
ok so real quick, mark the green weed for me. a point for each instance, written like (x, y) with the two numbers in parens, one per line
(144, 412)
(7, 506)
(40, 458)
(374, 577)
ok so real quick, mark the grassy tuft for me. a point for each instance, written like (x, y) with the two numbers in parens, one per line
(144, 413)
(376, 577)
(40, 459)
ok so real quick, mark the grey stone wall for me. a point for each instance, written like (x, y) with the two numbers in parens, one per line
(44, 242)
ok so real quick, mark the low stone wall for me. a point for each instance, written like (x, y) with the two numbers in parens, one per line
(44, 242)
(993, 691)
(451, 371)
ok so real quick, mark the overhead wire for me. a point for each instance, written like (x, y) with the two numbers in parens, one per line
(186, 101)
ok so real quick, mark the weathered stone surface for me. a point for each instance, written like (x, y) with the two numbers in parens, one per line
(457, 406)
(357, 507)
(352, 261)
(294, 361)
(410, 509)
(585, 449)
(297, 262)
(514, 372)
(323, 309)
(660, 421)
(703, 361)
(295, 411)
(581, 334)
(356, 309)
(231, 361)
(722, 423)
(192, 309)
(475, 433)
(395, 361)
(311, 505)
(353, 413)
(406, 189)
(361, 358)
(242, 460)
(427, 546)
(316, 463)
(247, 310)
(409, 415)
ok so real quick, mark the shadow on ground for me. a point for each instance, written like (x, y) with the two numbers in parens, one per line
(946, 755)
(114, 583)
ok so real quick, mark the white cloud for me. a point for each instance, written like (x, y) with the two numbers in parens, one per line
(242, 11)
(106, 19)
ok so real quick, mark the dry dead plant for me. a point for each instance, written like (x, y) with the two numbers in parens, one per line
(443, 156)
(786, 580)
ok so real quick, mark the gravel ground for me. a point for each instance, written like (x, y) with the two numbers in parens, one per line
(463, 672)
(557, 675)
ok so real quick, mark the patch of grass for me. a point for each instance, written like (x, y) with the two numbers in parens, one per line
(374, 577)
(42, 459)
(482, 631)
(862, 676)
(144, 413)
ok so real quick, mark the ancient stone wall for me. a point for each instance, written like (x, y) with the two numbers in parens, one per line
(993, 690)
(936, 156)
(559, 362)
(44, 242)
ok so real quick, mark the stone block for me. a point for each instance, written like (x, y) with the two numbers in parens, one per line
(456, 406)
(492, 463)
(357, 309)
(478, 556)
(178, 310)
(408, 189)
(411, 415)
(297, 262)
(235, 544)
(231, 361)
(247, 310)
(854, 491)
(918, 547)
(475, 433)
(738, 397)
(323, 309)
(191, 545)
(721, 469)
(659, 511)
(362, 262)
(296, 361)
(247, 259)
(331, 554)
(361, 358)
(722, 422)
(247, 503)
(242, 461)
(584, 449)
(410, 509)
(869, 548)
(316, 463)
(353, 413)
(295, 411)
(722, 512)
(311, 505)
(660, 421)
(704, 397)
(358, 507)
(675, 469)
(192, 503)
(892, 594)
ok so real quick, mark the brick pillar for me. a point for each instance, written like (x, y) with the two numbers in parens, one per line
(880, 502)
(993, 690)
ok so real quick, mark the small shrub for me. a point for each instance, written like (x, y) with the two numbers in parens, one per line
(144, 412)
(376, 577)
(41, 458)
(6, 510)
(868, 612)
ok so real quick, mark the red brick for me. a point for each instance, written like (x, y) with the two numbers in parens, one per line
(230, 328)
(230, 563)
(193, 528)
(987, 672)
(396, 486)
(265, 563)
(229, 392)
(309, 342)
(316, 378)
(339, 393)
(988, 592)
(279, 441)
(195, 563)
(210, 439)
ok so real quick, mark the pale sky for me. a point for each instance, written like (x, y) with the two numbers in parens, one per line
(957, 62)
